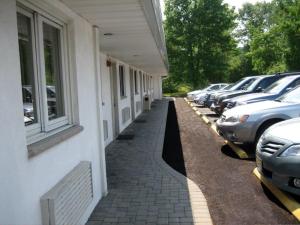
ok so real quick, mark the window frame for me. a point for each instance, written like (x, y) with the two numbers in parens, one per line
(36, 127)
(45, 128)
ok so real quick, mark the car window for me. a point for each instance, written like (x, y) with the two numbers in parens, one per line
(292, 96)
(267, 82)
(237, 84)
(27, 95)
(247, 84)
(279, 85)
(294, 84)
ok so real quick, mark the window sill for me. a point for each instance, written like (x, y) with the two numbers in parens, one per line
(47, 143)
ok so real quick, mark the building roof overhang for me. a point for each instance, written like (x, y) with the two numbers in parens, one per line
(131, 30)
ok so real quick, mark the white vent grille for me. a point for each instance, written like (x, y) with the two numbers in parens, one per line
(125, 114)
(105, 129)
(66, 202)
(138, 106)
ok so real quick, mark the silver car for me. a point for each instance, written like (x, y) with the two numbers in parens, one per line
(278, 155)
(213, 87)
(245, 124)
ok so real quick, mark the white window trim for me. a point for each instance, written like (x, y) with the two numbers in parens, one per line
(45, 128)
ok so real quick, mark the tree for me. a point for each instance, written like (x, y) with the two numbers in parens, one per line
(199, 41)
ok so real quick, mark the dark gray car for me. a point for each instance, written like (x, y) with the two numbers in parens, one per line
(278, 155)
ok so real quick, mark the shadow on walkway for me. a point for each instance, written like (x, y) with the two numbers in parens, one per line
(172, 151)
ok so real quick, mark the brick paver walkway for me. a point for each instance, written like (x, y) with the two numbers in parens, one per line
(143, 189)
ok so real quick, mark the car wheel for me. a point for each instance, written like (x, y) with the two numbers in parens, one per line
(263, 128)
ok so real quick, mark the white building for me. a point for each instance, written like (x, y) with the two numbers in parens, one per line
(73, 75)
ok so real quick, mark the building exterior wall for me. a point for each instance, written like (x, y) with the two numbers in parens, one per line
(24, 180)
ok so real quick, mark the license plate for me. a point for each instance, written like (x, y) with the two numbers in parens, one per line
(259, 163)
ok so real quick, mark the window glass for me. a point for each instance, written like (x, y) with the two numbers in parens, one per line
(135, 82)
(279, 85)
(27, 69)
(144, 83)
(292, 96)
(122, 81)
(54, 83)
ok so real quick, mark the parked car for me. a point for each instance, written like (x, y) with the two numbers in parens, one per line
(239, 85)
(257, 86)
(274, 91)
(211, 87)
(199, 99)
(278, 155)
(246, 123)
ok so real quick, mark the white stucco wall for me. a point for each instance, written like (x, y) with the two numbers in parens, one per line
(24, 181)
(106, 97)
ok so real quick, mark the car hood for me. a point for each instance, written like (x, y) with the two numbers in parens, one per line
(280, 130)
(234, 93)
(257, 107)
(249, 97)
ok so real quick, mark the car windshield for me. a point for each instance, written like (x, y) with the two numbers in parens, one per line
(292, 96)
(252, 84)
(212, 87)
(228, 87)
(236, 84)
(279, 85)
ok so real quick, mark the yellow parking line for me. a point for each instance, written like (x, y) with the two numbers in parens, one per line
(214, 128)
(289, 202)
(240, 152)
(205, 119)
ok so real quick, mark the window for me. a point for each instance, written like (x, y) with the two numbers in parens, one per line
(43, 74)
(136, 83)
(144, 83)
(122, 81)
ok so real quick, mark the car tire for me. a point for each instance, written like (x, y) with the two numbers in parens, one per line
(263, 128)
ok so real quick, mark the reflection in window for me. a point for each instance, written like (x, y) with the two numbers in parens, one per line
(27, 71)
(135, 82)
(53, 71)
(122, 81)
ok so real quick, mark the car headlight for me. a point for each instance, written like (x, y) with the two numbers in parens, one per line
(235, 119)
(232, 119)
(291, 151)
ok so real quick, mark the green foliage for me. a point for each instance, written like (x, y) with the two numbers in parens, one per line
(207, 42)
(199, 41)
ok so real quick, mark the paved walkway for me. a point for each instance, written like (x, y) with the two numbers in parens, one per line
(143, 189)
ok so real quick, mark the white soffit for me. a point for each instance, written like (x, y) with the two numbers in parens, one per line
(131, 40)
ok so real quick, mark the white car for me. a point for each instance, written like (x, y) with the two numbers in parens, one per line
(212, 87)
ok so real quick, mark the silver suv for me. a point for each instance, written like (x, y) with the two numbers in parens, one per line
(278, 155)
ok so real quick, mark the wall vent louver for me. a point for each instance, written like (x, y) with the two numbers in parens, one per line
(67, 201)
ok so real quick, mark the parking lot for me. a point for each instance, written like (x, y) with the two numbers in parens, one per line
(233, 193)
